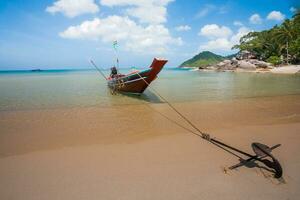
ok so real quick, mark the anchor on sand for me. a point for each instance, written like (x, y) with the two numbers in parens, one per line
(262, 154)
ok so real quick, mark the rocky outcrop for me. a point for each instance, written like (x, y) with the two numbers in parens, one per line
(260, 64)
(226, 65)
(250, 65)
(245, 65)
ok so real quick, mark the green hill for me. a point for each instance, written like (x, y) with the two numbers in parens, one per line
(203, 59)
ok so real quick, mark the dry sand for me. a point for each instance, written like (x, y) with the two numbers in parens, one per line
(288, 69)
(134, 152)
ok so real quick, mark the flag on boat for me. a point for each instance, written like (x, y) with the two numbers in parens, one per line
(115, 44)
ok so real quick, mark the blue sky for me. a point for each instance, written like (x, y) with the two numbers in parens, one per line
(67, 33)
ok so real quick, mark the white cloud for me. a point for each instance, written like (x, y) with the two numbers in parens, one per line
(224, 42)
(149, 14)
(276, 15)
(147, 11)
(210, 8)
(220, 44)
(215, 31)
(293, 9)
(134, 2)
(223, 9)
(205, 10)
(73, 8)
(235, 39)
(238, 23)
(255, 19)
(145, 35)
(183, 28)
(150, 39)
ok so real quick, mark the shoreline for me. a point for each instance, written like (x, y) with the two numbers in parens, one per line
(21, 130)
(144, 102)
(286, 69)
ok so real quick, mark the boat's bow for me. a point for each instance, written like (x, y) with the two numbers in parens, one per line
(138, 81)
(155, 67)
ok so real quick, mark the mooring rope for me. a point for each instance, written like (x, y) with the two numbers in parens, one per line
(200, 133)
(98, 69)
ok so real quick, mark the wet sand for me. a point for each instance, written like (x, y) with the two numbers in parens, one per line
(135, 152)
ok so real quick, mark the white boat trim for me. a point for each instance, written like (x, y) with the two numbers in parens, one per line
(135, 80)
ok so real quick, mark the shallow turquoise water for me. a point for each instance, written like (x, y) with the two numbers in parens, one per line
(55, 89)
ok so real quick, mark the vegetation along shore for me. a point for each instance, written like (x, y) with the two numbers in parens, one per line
(276, 50)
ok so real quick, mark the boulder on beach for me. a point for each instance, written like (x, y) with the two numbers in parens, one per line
(246, 65)
(259, 63)
(234, 61)
(226, 65)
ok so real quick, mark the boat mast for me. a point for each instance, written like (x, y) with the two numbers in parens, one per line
(115, 46)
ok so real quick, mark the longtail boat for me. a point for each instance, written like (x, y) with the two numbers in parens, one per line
(137, 81)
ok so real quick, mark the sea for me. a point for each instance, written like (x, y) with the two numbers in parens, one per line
(47, 89)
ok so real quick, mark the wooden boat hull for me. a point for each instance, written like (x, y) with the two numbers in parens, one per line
(136, 83)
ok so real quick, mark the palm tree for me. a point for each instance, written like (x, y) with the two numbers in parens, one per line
(285, 34)
(297, 17)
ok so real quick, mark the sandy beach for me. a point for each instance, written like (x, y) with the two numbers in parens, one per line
(149, 100)
(104, 153)
(289, 69)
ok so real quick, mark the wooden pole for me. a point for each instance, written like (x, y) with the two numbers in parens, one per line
(287, 52)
